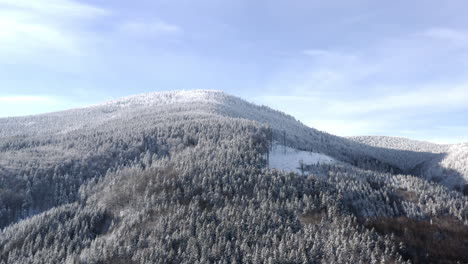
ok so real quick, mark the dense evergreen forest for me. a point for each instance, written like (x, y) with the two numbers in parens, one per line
(184, 177)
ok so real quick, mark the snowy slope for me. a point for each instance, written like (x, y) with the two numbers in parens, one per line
(452, 169)
(136, 111)
(446, 164)
(147, 110)
(401, 143)
(127, 108)
(288, 159)
(166, 98)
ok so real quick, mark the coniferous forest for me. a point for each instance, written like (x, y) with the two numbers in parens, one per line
(186, 177)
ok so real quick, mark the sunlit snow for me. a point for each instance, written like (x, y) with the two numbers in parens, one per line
(163, 98)
(288, 159)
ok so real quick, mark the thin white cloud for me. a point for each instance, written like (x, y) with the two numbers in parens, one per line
(345, 128)
(30, 28)
(18, 37)
(150, 28)
(446, 34)
(315, 52)
(322, 71)
(392, 114)
(26, 99)
(439, 134)
(21, 105)
(314, 111)
(65, 8)
(443, 96)
(387, 87)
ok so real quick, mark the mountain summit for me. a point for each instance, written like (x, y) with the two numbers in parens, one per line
(206, 177)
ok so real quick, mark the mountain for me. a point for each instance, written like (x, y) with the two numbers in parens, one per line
(446, 164)
(144, 111)
(205, 177)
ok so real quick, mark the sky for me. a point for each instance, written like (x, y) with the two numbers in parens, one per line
(347, 67)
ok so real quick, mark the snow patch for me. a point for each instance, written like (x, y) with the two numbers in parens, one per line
(288, 159)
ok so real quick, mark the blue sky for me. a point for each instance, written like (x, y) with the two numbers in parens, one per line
(351, 67)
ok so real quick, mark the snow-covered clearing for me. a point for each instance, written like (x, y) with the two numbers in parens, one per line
(288, 159)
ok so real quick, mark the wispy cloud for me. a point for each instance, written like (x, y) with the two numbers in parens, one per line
(150, 28)
(19, 105)
(439, 134)
(27, 37)
(446, 34)
(430, 97)
(64, 8)
(385, 88)
(315, 52)
(28, 28)
(26, 99)
(321, 71)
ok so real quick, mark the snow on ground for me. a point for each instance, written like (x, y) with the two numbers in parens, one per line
(169, 97)
(287, 159)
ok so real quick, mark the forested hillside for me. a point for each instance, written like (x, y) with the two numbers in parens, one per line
(184, 177)
(448, 167)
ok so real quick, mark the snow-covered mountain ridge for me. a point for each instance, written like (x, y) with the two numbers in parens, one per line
(169, 97)
(402, 143)
(202, 176)
(449, 166)
(147, 110)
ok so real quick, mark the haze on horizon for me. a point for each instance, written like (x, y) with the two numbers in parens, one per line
(356, 67)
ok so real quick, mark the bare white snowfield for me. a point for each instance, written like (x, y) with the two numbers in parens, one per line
(288, 159)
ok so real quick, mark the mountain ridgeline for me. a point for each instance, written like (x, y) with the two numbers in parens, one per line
(185, 177)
